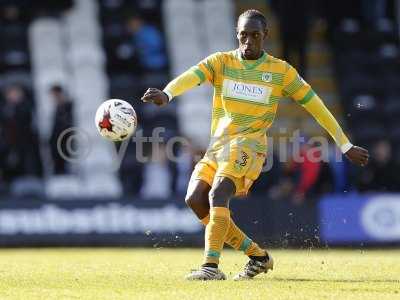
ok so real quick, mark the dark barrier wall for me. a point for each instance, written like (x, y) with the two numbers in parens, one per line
(334, 220)
(145, 223)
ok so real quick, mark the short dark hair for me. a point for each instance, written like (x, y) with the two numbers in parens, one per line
(57, 88)
(254, 14)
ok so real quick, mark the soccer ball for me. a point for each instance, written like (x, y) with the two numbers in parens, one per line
(116, 120)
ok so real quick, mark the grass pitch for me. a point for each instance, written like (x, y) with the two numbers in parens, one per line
(158, 274)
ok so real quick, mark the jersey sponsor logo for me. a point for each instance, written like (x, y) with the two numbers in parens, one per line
(246, 91)
(267, 77)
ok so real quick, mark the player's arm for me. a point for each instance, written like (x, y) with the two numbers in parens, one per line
(176, 87)
(193, 77)
(302, 93)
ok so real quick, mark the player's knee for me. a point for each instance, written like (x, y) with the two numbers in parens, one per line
(221, 193)
(196, 199)
(218, 197)
(198, 203)
(197, 195)
(192, 200)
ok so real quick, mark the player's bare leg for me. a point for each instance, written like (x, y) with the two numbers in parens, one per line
(216, 230)
(197, 200)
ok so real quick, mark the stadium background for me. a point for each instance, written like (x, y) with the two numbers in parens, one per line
(60, 59)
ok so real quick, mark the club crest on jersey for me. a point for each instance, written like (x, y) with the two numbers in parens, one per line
(267, 77)
(301, 79)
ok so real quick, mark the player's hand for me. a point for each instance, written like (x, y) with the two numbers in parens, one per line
(358, 156)
(155, 96)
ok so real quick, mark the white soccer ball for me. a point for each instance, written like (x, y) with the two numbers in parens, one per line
(116, 120)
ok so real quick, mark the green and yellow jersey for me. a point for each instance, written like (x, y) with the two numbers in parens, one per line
(246, 97)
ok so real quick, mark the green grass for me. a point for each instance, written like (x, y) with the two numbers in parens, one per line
(158, 274)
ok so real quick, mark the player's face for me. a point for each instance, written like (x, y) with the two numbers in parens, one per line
(251, 36)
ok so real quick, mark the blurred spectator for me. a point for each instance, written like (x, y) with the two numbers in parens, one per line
(148, 43)
(63, 119)
(381, 173)
(184, 169)
(340, 169)
(308, 170)
(131, 172)
(187, 157)
(157, 177)
(13, 53)
(10, 15)
(20, 152)
(150, 10)
(294, 26)
(269, 181)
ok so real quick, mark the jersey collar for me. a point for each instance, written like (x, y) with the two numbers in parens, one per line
(254, 63)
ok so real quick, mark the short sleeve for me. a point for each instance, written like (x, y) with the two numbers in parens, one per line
(209, 67)
(296, 87)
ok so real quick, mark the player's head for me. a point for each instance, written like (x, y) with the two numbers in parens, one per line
(134, 23)
(58, 93)
(251, 33)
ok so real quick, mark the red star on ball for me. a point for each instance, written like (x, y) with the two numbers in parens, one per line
(106, 123)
